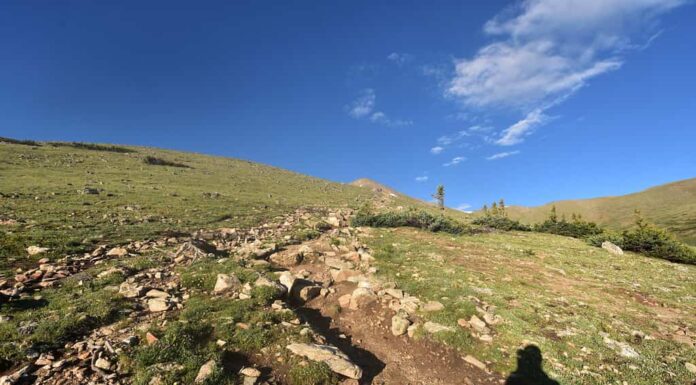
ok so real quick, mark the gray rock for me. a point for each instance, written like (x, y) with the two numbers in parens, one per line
(361, 297)
(205, 371)
(612, 248)
(399, 325)
(227, 282)
(337, 361)
(130, 290)
(157, 305)
(432, 327)
(432, 306)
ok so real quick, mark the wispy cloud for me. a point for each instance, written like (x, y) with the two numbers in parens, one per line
(400, 58)
(546, 50)
(364, 107)
(423, 178)
(465, 207)
(502, 155)
(436, 150)
(455, 161)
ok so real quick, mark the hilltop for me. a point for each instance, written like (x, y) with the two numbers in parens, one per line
(134, 265)
(671, 206)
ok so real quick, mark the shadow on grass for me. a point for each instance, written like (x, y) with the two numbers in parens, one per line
(529, 370)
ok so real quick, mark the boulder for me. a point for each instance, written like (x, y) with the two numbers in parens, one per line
(432, 306)
(336, 360)
(612, 248)
(287, 279)
(117, 252)
(478, 325)
(156, 305)
(226, 282)
(130, 290)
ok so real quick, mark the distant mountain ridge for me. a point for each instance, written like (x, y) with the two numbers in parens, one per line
(671, 206)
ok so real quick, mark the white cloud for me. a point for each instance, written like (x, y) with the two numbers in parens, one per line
(464, 207)
(399, 58)
(423, 178)
(502, 155)
(446, 140)
(363, 105)
(516, 132)
(436, 150)
(455, 161)
(546, 50)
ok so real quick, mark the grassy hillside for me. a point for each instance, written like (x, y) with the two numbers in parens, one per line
(67, 197)
(597, 318)
(672, 206)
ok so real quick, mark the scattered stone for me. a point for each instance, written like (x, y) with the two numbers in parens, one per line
(130, 290)
(205, 372)
(474, 361)
(337, 361)
(154, 293)
(361, 297)
(34, 250)
(309, 292)
(157, 305)
(103, 363)
(226, 282)
(344, 300)
(399, 325)
(396, 293)
(432, 327)
(612, 248)
(287, 279)
(150, 338)
(117, 252)
(433, 306)
(690, 367)
(478, 325)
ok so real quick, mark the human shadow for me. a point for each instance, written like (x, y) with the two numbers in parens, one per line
(529, 370)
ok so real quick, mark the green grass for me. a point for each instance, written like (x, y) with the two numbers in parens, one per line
(542, 286)
(671, 206)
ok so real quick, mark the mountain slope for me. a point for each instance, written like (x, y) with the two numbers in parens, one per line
(672, 206)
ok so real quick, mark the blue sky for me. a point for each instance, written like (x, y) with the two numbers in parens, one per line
(527, 100)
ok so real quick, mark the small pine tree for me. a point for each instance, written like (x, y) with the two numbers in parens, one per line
(485, 211)
(553, 217)
(494, 209)
(501, 208)
(440, 196)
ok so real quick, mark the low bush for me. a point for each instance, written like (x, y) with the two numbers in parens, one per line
(500, 223)
(575, 228)
(154, 161)
(411, 218)
(93, 147)
(19, 141)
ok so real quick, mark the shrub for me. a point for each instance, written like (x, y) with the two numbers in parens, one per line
(93, 147)
(314, 373)
(19, 141)
(576, 228)
(597, 239)
(411, 218)
(154, 161)
(656, 242)
(500, 223)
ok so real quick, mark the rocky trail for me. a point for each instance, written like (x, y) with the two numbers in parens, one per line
(366, 330)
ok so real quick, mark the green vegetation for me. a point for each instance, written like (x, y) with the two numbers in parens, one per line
(154, 161)
(557, 292)
(440, 197)
(93, 147)
(43, 200)
(496, 218)
(576, 227)
(312, 373)
(19, 141)
(671, 206)
(410, 218)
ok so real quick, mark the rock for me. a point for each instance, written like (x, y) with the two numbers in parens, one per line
(396, 293)
(205, 371)
(474, 361)
(287, 279)
(361, 297)
(413, 329)
(157, 305)
(34, 250)
(287, 258)
(309, 292)
(433, 306)
(690, 367)
(463, 323)
(117, 252)
(131, 340)
(337, 263)
(150, 338)
(399, 325)
(432, 327)
(624, 349)
(344, 275)
(337, 361)
(250, 372)
(344, 300)
(612, 248)
(130, 290)
(263, 281)
(478, 325)
(226, 282)
(102, 363)
(154, 293)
